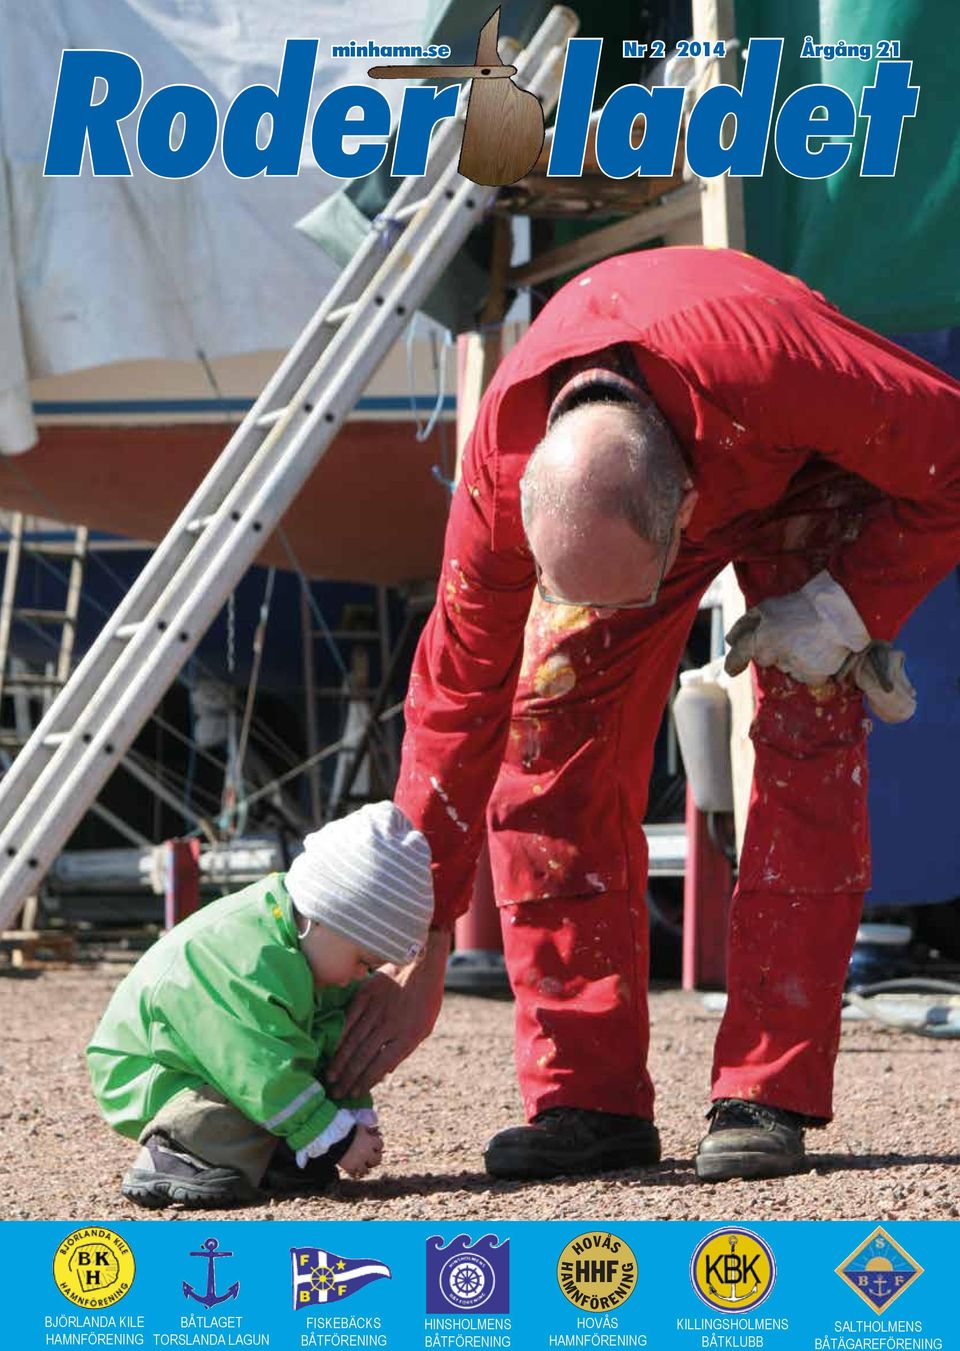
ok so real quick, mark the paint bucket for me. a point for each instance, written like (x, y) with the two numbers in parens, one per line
(701, 713)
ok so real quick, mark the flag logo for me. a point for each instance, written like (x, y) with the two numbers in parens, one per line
(468, 1277)
(879, 1270)
(321, 1277)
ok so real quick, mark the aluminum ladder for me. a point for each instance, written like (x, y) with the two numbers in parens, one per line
(16, 681)
(246, 493)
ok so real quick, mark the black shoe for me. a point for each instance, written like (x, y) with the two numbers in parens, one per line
(750, 1140)
(284, 1177)
(572, 1140)
(164, 1173)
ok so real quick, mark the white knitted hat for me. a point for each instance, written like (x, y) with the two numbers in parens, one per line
(367, 877)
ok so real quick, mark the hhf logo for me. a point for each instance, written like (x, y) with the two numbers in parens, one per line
(733, 1270)
(597, 1271)
(468, 1277)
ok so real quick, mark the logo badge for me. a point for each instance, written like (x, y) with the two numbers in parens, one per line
(94, 1267)
(468, 1277)
(733, 1270)
(503, 131)
(879, 1270)
(321, 1277)
(597, 1271)
(210, 1250)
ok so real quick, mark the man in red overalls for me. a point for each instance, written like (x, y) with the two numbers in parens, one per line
(702, 408)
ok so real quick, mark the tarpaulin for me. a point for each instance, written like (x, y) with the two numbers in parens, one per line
(96, 270)
(883, 249)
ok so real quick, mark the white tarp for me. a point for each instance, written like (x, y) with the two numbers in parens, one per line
(96, 270)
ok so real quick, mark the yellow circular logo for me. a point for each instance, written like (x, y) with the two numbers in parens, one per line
(94, 1267)
(733, 1270)
(597, 1271)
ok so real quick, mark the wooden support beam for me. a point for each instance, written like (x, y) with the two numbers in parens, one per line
(724, 224)
(652, 221)
(478, 354)
(724, 227)
(31, 949)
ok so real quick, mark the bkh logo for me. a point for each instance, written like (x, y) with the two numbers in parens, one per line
(179, 125)
(733, 1270)
(93, 1267)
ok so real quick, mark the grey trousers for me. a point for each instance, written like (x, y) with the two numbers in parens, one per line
(204, 1123)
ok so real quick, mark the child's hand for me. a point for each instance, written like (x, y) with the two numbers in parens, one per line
(365, 1152)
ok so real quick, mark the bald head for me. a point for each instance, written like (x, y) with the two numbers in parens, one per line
(601, 497)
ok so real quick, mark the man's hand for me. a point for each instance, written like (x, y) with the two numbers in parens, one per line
(880, 673)
(388, 1017)
(808, 634)
(365, 1152)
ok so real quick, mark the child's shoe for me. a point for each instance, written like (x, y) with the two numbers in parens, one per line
(163, 1173)
(285, 1178)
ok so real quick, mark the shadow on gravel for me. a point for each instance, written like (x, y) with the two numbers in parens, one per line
(909, 1046)
(869, 1163)
(669, 1173)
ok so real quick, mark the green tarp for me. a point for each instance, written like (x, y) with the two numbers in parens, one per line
(884, 249)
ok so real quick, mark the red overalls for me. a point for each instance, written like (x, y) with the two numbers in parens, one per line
(813, 443)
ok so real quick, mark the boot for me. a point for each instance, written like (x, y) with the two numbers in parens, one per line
(565, 1140)
(750, 1140)
(163, 1173)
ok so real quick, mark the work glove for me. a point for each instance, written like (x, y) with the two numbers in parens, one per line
(808, 634)
(879, 671)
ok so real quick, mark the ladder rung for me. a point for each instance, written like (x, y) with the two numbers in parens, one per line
(30, 681)
(44, 616)
(272, 418)
(198, 523)
(348, 635)
(55, 739)
(404, 213)
(59, 549)
(128, 630)
(337, 316)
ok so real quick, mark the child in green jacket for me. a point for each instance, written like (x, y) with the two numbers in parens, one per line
(212, 1049)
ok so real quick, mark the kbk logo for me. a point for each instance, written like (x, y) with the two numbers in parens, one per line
(733, 1270)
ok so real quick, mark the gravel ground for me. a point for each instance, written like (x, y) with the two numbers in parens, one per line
(891, 1153)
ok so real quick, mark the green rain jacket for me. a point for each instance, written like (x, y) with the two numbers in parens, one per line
(227, 999)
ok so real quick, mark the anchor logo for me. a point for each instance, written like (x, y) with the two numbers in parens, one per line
(733, 1268)
(210, 1250)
